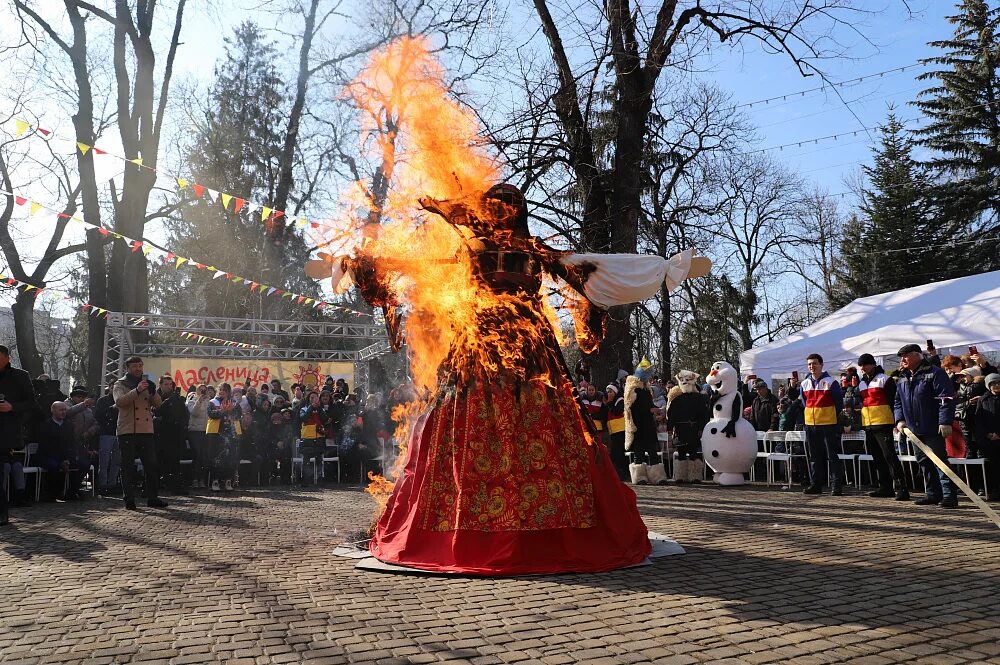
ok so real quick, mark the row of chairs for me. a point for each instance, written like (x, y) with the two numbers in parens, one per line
(907, 455)
(37, 471)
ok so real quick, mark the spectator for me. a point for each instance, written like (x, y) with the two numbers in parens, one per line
(615, 410)
(282, 436)
(925, 403)
(794, 389)
(878, 395)
(276, 389)
(593, 402)
(259, 451)
(80, 414)
(197, 406)
(850, 419)
(48, 392)
(970, 388)
(170, 423)
(822, 399)
(983, 363)
(764, 409)
(224, 430)
(313, 421)
(17, 406)
(109, 457)
(57, 454)
(342, 389)
(790, 419)
(265, 390)
(135, 398)
(373, 426)
(988, 432)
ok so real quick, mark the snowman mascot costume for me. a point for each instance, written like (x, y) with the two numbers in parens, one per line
(687, 414)
(728, 440)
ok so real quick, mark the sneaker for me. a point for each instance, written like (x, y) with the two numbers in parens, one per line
(156, 503)
(813, 489)
(229, 486)
(215, 486)
(950, 502)
(882, 493)
(927, 501)
(903, 495)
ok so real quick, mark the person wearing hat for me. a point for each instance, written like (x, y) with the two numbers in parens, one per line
(86, 429)
(136, 397)
(925, 403)
(640, 431)
(878, 395)
(764, 409)
(988, 433)
(615, 403)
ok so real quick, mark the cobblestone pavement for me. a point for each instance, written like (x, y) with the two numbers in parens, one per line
(249, 578)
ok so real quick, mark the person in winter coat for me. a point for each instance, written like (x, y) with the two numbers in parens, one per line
(18, 408)
(197, 406)
(925, 403)
(878, 395)
(109, 456)
(57, 454)
(80, 414)
(313, 421)
(823, 400)
(640, 431)
(764, 409)
(615, 410)
(224, 430)
(988, 432)
(135, 398)
(170, 423)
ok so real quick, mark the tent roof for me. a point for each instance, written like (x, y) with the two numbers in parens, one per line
(954, 314)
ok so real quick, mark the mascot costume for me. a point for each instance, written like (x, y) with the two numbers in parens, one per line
(729, 440)
(687, 415)
(640, 431)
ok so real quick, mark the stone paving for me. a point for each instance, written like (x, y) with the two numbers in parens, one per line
(769, 576)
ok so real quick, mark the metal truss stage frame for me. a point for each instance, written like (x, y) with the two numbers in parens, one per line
(120, 340)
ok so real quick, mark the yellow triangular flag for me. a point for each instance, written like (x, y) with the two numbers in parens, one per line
(35, 207)
(20, 127)
(182, 183)
(265, 212)
(309, 301)
(180, 260)
(145, 249)
(137, 161)
(226, 198)
(84, 148)
(301, 221)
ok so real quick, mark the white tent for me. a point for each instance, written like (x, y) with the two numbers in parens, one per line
(954, 314)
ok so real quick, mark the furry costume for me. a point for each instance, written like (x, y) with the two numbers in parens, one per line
(640, 432)
(687, 413)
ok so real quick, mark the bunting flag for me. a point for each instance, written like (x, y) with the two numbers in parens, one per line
(226, 198)
(84, 148)
(27, 287)
(201, 339)
(182, 183)
(20, 127)
(168, 256)
(137, 161)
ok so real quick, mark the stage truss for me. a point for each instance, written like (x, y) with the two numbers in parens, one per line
(128, 334)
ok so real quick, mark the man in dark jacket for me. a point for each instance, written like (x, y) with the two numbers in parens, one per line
(988, 432)
(58, 454)
(17, 404)
(109, 454)
(925, 403)
(170, 421)
(764, 409)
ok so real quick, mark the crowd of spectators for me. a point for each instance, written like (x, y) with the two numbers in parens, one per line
(211, 437)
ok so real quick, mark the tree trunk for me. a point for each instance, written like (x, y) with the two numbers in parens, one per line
(666, 361)
(24, 333)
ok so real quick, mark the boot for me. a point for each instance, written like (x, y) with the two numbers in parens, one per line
(882, 493)
(656, 474)
(21, 499)
(695, 470)
(680, 470)
(638, 473)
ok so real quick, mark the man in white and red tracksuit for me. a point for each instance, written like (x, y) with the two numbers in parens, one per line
(878, 396)
(925, 403)
(823, 401)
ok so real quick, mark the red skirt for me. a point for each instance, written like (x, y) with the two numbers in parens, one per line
(502, 480)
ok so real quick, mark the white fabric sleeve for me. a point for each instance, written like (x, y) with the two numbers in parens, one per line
(341, 278)
(620, 279)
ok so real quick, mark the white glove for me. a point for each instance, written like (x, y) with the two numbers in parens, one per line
(944, 430)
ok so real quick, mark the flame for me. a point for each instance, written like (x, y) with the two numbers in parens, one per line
(423, 144)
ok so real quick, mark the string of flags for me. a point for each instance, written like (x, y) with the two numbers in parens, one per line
(201, 339)
(230, 202)
(27, 287)
(174, 260)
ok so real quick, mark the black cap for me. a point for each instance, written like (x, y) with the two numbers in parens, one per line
(866, 359)
(909, 348)
(78, 390)
(758, 384)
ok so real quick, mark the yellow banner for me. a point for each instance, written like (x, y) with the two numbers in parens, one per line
(192, 371)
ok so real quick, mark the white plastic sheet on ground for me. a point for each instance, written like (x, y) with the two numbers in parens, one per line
(955, 314)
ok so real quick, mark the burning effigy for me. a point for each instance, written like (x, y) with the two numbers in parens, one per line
(501, 472)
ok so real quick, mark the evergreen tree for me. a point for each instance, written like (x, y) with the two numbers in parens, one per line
(235, 150)
(852, 268)
(900, 242)
(963, 129)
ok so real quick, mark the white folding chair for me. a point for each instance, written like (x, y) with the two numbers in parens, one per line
(852, 457)
(298, 459)
(966, 463)
(762, 453)
(772, 456)
(29, 450)
(331, 445)
(908, 458)
(870, 459)
(789, 455)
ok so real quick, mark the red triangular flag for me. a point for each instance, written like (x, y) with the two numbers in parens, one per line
(199, 265)
(198, 190)
(238, 204)
(44, 132)
(278, 213)
(301, 299)
(103, 231)
(20, 200)
(98, 151)
(62, 215)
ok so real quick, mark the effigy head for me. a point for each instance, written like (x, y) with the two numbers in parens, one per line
(507, 208)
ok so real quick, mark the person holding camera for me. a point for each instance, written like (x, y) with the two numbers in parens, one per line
(135, 398)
